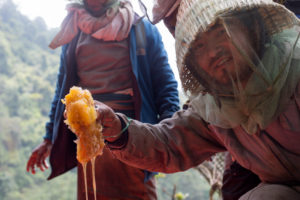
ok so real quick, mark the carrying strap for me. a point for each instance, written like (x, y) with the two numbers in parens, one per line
(140, 35)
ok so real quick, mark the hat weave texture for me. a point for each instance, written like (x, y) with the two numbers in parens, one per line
(196, 16)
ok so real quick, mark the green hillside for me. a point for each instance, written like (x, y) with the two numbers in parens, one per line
(28, 71)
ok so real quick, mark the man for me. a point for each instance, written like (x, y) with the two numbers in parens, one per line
(239, 64)
(120, 58)
(236, 179)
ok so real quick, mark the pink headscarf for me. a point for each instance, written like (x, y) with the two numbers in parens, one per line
(163, 8)
(113, 25)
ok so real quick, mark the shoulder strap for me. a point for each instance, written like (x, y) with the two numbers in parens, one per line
(140, 35)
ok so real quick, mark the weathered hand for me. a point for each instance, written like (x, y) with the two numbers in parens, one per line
(38, 157)
(110, 122)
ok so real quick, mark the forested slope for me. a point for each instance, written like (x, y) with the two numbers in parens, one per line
(28, 71)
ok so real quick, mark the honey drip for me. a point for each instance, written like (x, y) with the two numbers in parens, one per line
(81, 120)
(94, 180)
(85, 180)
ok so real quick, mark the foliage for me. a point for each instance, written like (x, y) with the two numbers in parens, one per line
(189, 185)
(180, 196)
(28, 70)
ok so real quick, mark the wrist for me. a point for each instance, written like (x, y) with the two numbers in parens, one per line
(118, 144)
(48, 141)
(124, 126)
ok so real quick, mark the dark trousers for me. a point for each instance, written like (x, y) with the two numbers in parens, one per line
(237, 181)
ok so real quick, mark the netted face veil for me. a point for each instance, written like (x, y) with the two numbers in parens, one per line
(238, 60)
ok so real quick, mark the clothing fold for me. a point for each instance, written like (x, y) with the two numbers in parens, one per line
(113, 25)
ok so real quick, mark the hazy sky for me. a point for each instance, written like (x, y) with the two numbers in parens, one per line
(53, 11)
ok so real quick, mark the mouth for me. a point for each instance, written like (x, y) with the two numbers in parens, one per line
(220, 63)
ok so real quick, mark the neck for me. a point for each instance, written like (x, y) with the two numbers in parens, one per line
(99, 12)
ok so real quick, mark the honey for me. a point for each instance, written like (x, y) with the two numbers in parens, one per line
(81, 119)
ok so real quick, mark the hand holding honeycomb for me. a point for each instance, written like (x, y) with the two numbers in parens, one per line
(81, 120)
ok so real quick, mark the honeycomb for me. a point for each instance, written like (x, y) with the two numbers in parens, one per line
(81, 119)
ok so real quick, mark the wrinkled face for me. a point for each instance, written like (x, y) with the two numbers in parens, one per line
(217, 55)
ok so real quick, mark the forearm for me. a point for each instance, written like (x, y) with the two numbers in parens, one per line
(166, 93)
(55, 100)
(163, 81)
(50, 123)
(174, 145)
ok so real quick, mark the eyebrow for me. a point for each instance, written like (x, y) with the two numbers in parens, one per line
(216, 26)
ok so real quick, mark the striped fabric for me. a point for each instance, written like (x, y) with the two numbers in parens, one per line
(122, 103)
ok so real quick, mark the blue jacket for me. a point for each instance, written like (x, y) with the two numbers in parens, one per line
(155, 91)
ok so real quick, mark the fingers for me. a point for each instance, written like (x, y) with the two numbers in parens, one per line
(65, 114)
(45, 164)
(42, 164)
(39, 162)
(111, 128)
(108, 119)
(38, 159)
(104, 113)
(31, 163)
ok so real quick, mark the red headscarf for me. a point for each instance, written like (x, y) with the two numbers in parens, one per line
(113, 25)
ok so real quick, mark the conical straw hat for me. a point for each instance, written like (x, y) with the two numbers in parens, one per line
(195, 16)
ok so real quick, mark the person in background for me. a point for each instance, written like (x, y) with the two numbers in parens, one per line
(239, 64)
(120, 58)
(166, 10)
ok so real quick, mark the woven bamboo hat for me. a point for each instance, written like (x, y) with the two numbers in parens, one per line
(196, 16)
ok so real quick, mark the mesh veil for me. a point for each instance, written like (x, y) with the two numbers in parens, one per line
(248, 79)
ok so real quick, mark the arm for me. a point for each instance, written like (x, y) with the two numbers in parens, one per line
(42, 151)
(60, 76)
(175, 144)
(163, 80)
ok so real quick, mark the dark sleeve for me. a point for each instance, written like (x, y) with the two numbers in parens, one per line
(60, 77)
(163, 79)
(121, 142)
(237, 181)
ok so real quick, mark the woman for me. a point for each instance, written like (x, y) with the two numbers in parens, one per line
(120, 58)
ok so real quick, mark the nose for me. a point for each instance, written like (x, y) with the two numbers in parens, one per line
(214, 50)
(211, 53)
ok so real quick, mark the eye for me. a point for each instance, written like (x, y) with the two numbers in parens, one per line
(221, 32)
(199, 48)
(199, 45)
